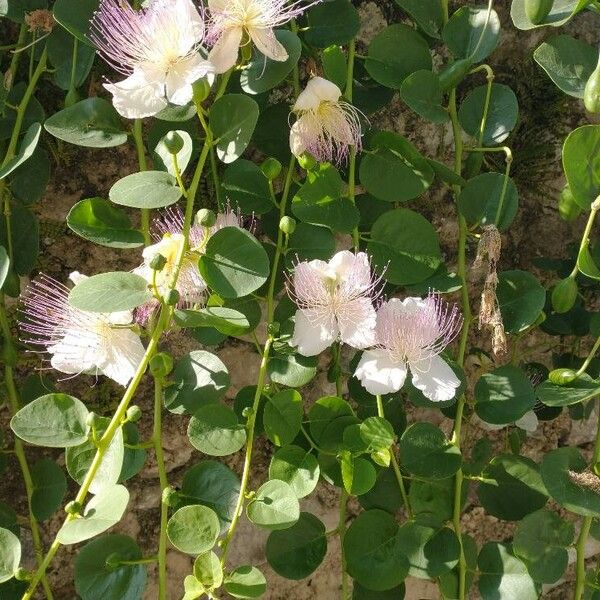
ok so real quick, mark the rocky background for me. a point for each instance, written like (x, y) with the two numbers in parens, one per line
(546, 116)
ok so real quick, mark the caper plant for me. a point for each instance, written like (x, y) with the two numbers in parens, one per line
(269, 208)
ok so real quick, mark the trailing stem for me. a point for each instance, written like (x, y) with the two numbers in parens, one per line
(586, 524)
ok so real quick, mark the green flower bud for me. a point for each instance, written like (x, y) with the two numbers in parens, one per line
(538, 10)
(134, 413)
(454, 73)
(206, 217)
(22, 574)
(169, 496)
(161, 365)
(568, 208)
(172, 298)
(271, 168)
(307, 161)
(562, 376)
(113, 561)
(287, 225)
(246, 412)
(92, 419)
(73, 508)
(158, 262)
(201, 89)
(564, 295)
(591, 95)
(173, 142)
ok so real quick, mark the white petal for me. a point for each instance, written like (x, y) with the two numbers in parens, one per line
(313, 332)
(317, 90)
(435, 379)
(379, 374)
(182, 75)
(76, 352)
(310, 283)
(353, 272)
(135, 97)
(123, 352)
(529, 422)
(356, 321)
(268, 44)
(190, 26)
(76, 277)
(224, 53)
(297, 138)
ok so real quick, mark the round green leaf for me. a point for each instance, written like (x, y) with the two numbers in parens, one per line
(94, 580)
(274, 506)
(521, 298)
(28, 182)
(61, 52)
(98, 221)
(292, 370)
(208, 570)
(385, 494)
(559, 471)
(9, 519)
(297, 467)
(580, 390)
(10, 554)
(512, 487)
(324, 417)
(581, 162)
(54, 420)
(429, 15)
(432, 502)
(394, 171)
(568, 62)
(427, 453)
(377, 433)
(263, 74)
(504, 395)
(92, 123)
(430, 552)
(332, 23)
(405, 247)
(479, 200)
(503, 113)
(232, 119)
(373, 551)
(245, 582)
(247, 188)
(320, 201)
(49, 488)
(199, 378)
(422, 92)
(102, 512)
(502, 576)
(212, 484)
(296, 552)
(540, 541)
(194, 529)
(334, 64)
(25, 238)
(395, 53)
(234, 263)
(26, 149)
(146, 189)
(309, 242)
(358, 474)
(110, 292)
(465, 28)
(361, 593)
(282, 417)
(214, 429)
(561, 12)
(225, 320)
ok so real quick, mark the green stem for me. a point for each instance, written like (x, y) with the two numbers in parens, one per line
(250, 428)
(72, 86)
(341, 531)
(141, 154)
(162, 324)
(395, 464)
(589, 359)
(14, 63)
(585, 525)
(162, 477)
(215, 175)
(352, 157)
(466, 311)
(19, 450)
(585, 238)
(295, 71)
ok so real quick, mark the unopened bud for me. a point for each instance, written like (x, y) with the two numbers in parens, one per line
(271, 168)
(206, 217)
(134, 413)
(158, 262)
(307, 161)
(562, 376)
(91, 420)
(22, 574)
(172, 298)
(73, 508)
(287, 225)
(173, 142)
(169, 496)
(161, 365)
